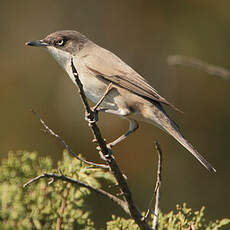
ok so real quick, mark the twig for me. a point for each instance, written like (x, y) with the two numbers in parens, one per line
(52, 133)
(157, 188)
(62, 177)
(199, 64)
(109, 158)
(156, 194)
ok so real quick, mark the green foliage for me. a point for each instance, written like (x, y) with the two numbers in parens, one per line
(183, 219)
(119, 223)
(43, 206)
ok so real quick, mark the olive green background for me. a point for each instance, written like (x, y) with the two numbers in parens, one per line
(143, 34)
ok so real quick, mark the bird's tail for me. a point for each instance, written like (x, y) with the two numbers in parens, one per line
(161, 119)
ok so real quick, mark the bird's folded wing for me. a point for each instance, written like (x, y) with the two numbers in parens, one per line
(108, 67)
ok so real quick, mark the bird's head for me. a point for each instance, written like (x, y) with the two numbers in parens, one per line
(62, 44)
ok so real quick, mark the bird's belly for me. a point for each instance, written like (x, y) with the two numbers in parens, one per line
(94, 89)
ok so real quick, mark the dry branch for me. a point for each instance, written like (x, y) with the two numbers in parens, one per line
(199, 64)
(156, 194)
(62, 177)
(157, 187)
(52, 133)
(126, 203)
(109, 158)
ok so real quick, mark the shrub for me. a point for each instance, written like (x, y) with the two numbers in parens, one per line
(61, 205)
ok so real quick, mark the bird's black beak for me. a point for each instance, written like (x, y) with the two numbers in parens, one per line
(38, 43)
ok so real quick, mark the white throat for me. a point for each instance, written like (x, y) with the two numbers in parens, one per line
(62, 57)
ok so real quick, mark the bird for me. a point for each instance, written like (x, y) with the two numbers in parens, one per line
(129, 95)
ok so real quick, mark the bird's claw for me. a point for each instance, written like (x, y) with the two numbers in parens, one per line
(91, 117)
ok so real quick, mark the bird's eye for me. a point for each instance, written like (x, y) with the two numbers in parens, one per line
(60, 42)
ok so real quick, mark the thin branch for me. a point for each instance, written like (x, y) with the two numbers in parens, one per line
(52, 133)
(62, 177)
(157, 188)
(199, 64)
(156, 194)
(109, 158)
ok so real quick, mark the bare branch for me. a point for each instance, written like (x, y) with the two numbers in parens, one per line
(157, 188)
(52, 133)
(62, 177)
(199, 64)
(109, 158)
(156, 194)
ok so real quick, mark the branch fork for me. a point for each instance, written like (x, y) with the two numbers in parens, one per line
(126, 201)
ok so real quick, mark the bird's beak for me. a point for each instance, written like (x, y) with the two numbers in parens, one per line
(38, 43)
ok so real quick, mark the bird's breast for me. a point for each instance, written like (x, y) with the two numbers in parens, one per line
(94, 88)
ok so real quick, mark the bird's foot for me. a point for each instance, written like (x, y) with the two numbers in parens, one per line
(107, 156)
(91, 117)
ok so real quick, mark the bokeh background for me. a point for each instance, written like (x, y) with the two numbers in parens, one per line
(143, 34)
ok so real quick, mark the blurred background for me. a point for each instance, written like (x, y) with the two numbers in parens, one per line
(143, 34)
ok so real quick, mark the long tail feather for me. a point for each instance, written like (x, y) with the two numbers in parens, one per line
(171, 128)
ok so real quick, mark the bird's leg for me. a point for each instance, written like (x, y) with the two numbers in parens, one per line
(95, 109)
(133, 126)
(108, 89)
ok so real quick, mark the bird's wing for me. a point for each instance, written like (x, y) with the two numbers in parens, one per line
(108, 67)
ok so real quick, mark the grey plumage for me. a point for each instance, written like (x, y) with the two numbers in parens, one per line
(131, 95)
